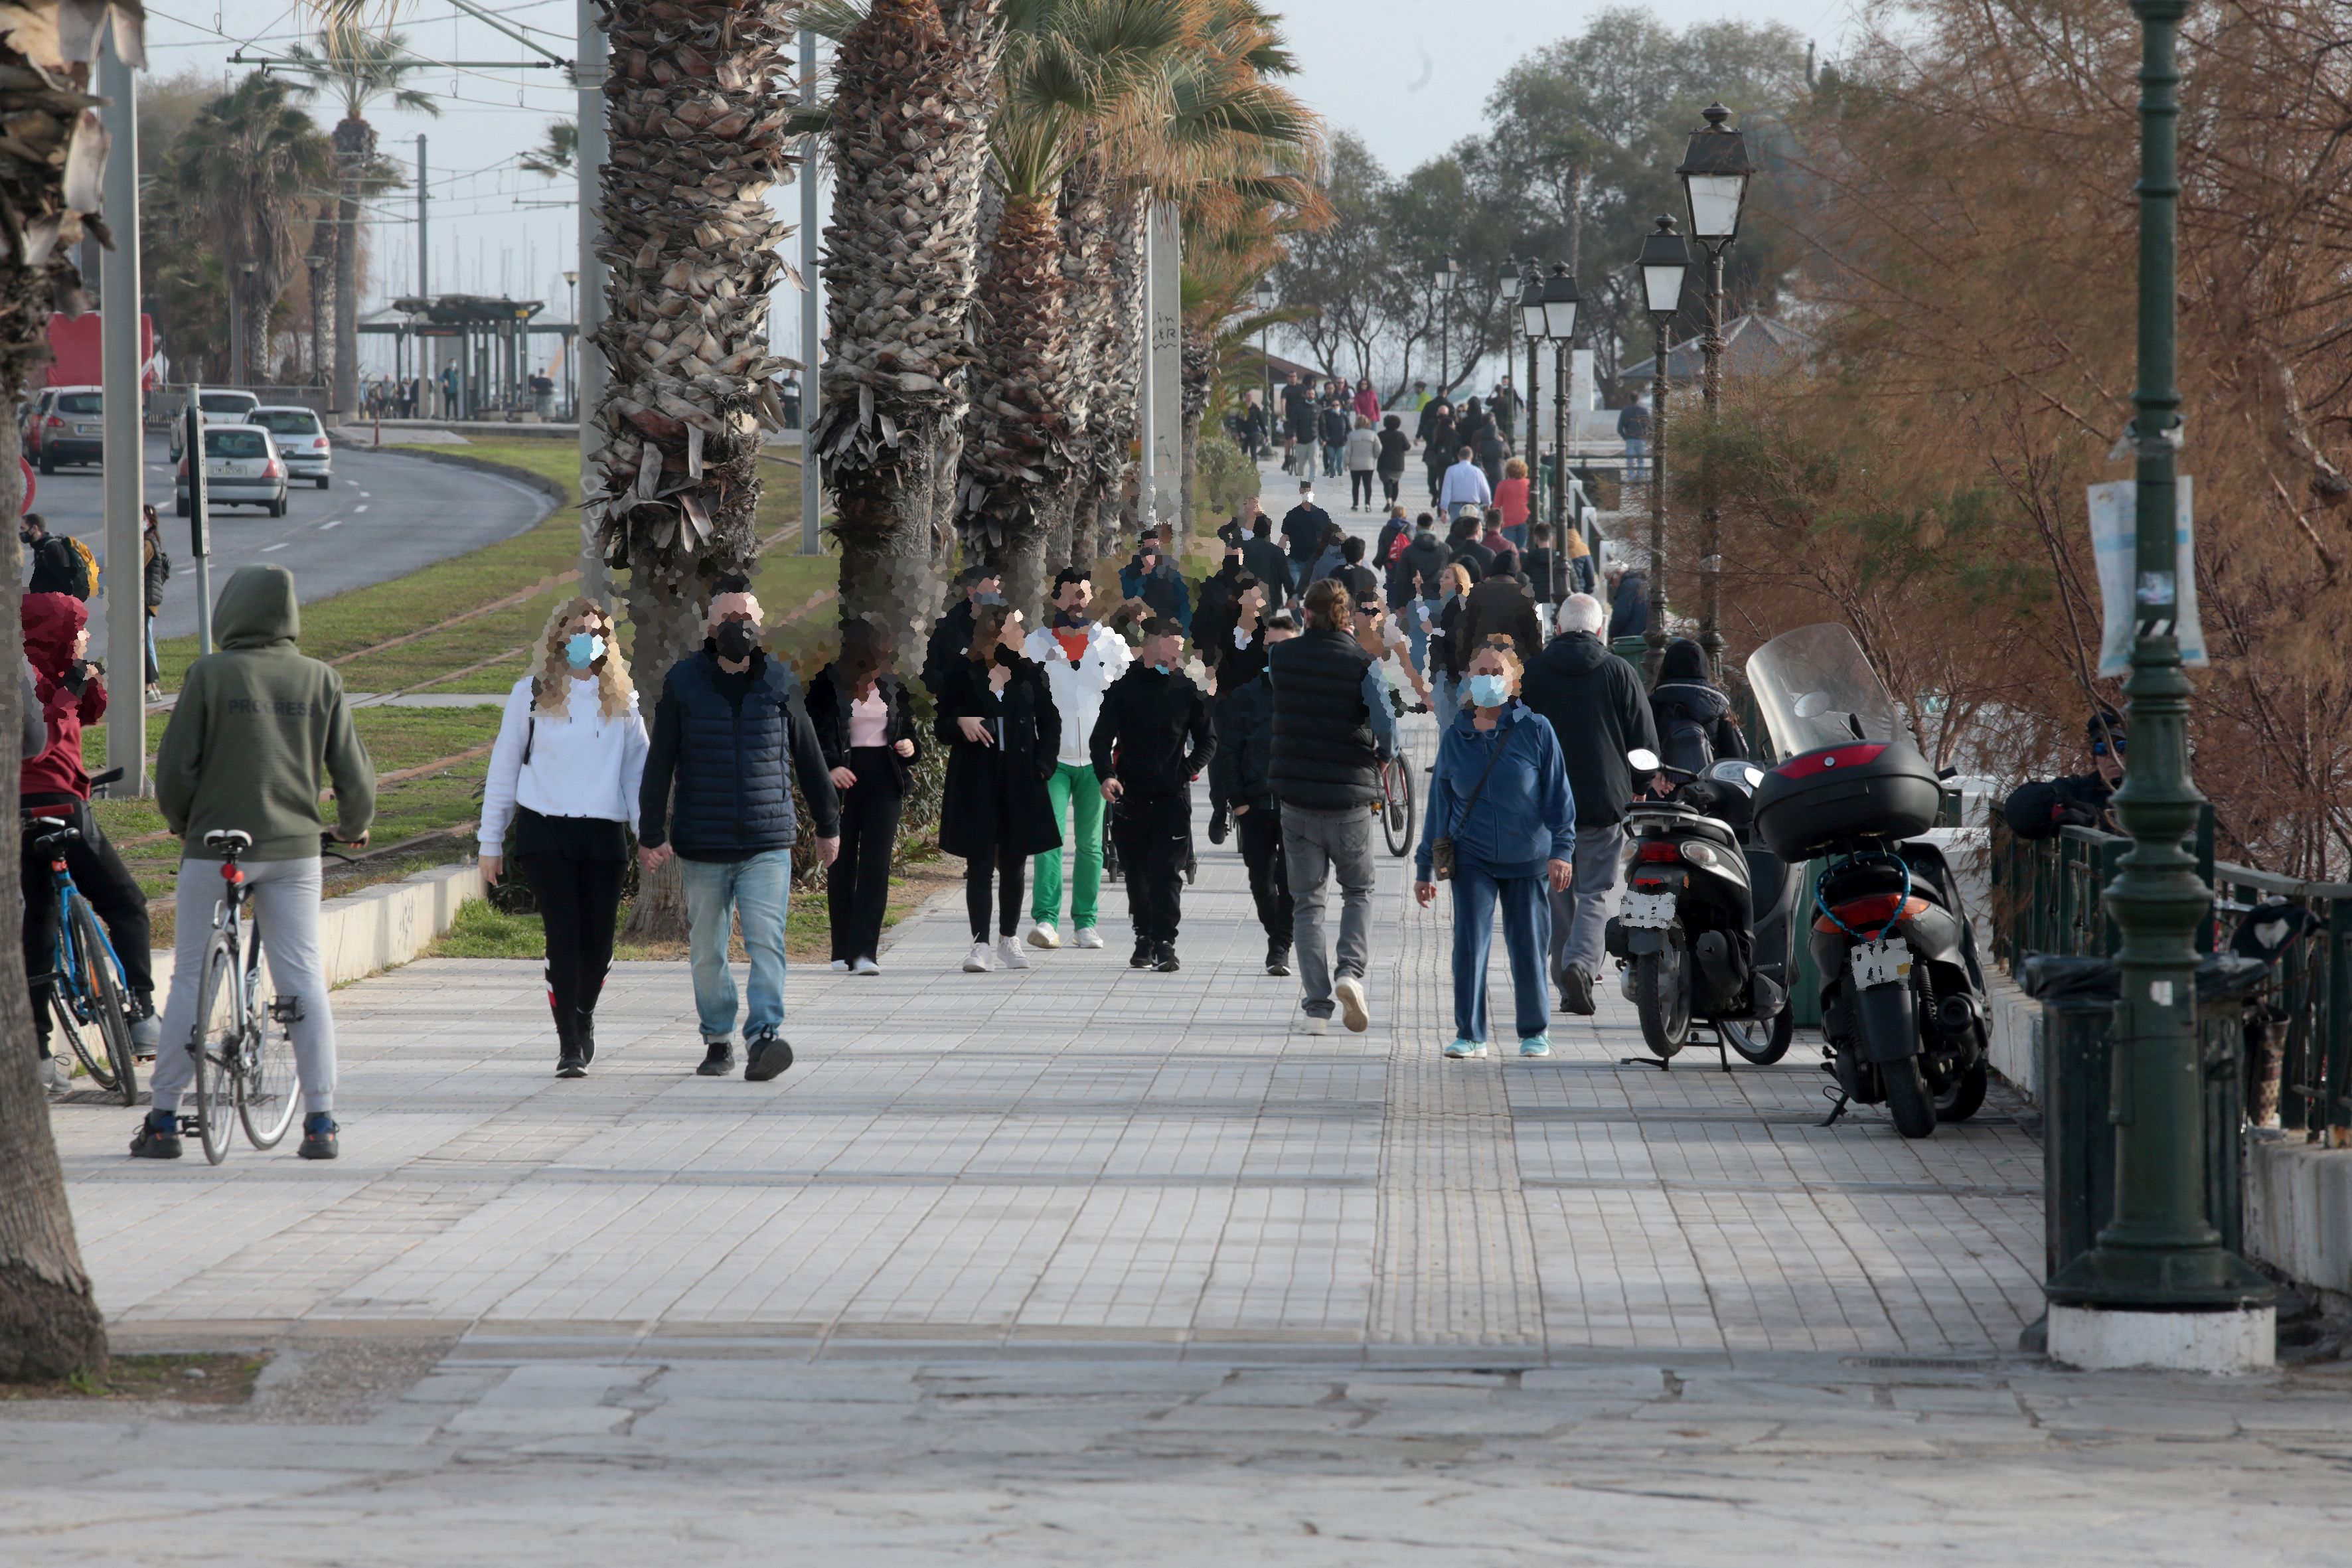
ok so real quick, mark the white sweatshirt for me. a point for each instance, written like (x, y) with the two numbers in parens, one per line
(1078, 692)
(586, 765)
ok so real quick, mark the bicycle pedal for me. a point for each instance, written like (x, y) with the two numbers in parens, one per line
(191, 1127)
(286, 1009)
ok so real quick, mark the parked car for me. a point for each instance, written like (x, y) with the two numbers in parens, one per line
(242, 467)
(301, 440)
(219, 407)
(66, 426)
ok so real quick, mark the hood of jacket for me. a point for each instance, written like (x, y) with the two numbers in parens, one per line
(52, 621)
(1575, 652)
(1696, 697)
(257, 609)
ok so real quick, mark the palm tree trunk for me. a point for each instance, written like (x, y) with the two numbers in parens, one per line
(914, 87)
(1113, 320)
(1197, 364)
(696, 139)
(1016, 453)
(326, 242)
(354, 149)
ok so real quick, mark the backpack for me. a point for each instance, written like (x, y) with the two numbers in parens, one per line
(1684, 741)
(1398, 545)
(2040, 808)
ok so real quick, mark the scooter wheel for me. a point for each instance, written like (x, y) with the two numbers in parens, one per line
(1907, 1100)
(1771, 1048)
(1965, 1097)
(1662, 1001)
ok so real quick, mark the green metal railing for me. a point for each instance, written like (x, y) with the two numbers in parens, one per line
(2049, 896)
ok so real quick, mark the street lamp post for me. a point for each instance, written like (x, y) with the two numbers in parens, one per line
(1444, 279)
(2157, 1289)
(1509, 293)
(1664, 261)
(1714, 173)
(1547, 313)
(1266, 299)
(572, 359)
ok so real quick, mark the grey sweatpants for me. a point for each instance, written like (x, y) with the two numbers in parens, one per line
(1580, 915)
(1318, 844)
(286, 906)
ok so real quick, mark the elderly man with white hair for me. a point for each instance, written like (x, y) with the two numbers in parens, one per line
(1597, 707)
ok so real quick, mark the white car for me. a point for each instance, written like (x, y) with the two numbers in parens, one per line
(301, 441)
(218, 408)
(242, 467)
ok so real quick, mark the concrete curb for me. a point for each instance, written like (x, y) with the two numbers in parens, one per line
(382, 927)
(554, 492)
(2298, 1214)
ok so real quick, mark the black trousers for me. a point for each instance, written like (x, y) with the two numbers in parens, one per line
(1389, 485)
(578, 900)
(1154, 835)
(1260, 830)
(1360, 486)
(111, 890)
(1011, 870)
(857, 883)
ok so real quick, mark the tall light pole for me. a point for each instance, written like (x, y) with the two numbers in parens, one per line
(812, 327)
(1509, 292)
(124, 373)
(1547, 310)
(1266, 299)
(1664, 261)
(572, 359)
(2157, 1289)
(1444, 279)
(1714, 173)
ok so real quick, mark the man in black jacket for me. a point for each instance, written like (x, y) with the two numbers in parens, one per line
(952, 634)
(1218, 604)
(1302, 530)
(1264, 560)
(1597, 707)
(731, 733)
(1245, 759)
(1151, 741)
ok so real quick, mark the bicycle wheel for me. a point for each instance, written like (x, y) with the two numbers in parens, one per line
(269, 1089)
(81, 1034)
(109, 1004)
(1396, 806)
(218, 1037)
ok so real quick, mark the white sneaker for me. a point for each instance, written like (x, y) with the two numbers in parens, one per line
(1088, 937)
(1349, 992)
(864, 966)
(1045, 936)
(1308, 1024)
(1009, 953)
(55, 1077)
(979, 962)
(841, 966)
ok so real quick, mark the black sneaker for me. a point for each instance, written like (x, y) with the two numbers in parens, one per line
(1143, 956)
(583, 1035)
(718, 1060)
(1164, 960)
(571, 1064)
(318, 1132)
(1278, 960)
(766, 1056)
(158, 1137)
(1217, 828)
(1576, 992)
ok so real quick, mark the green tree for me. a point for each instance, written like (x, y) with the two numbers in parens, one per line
(257, 163)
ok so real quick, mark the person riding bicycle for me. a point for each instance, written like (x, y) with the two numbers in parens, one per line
(52, 782)
(258, 730)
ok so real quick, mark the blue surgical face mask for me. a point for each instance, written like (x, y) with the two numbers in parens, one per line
(1160, 667)
(1489, 691)
(583, 649)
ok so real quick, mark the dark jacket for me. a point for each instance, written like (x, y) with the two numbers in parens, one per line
(1629, 607)
(828, 712)
(57, 567)
(1447, 651)
(1161, 588)
(1476, 556)
(1599, 711)
(1499, 604)
(1424, 559)
(950, 635)
(1633, 422)
(1545, 579)
(1302, 531)
(1391, 532)
(1324, 757)
(724, 754)
(1220, 604)
(1245, 720)
(1265, 561)
(1524, 811)
(1441, 444)
(1676, 705)
(995, 795)
(1333, 426)
(1298, 410)
(158, 572)
(1395, 448)
(1430, 416)
(1153, 733)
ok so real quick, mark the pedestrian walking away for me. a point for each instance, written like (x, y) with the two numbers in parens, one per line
(1150, 741)
(258, 734)
(868, 731)
(1081, 658)
(1464, 490)
(1332, 729)
(730, 735)
(562, 786)
(1634, 429)
(68, 692)
(1394, 449)
(1003, 736)
(1332, 424)
(1629, 600)
(1499, 604)
(1696, 729)
(1501, 826)
(1268, 561)
(1511, 499)
(1438, 448)
(1245, 725)
(1597, 709)
(158, 571)
(1363, 457)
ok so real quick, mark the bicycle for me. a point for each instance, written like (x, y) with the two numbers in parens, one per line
(88, 995)
(1394, 808)
(244, 1046)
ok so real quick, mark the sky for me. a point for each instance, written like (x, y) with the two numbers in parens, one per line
(1409, 76)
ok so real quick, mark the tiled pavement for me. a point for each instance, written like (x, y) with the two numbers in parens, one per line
(1078, 1154)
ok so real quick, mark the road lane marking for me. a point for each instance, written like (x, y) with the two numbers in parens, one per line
(279, 545)
(359, 508)
(324, 526)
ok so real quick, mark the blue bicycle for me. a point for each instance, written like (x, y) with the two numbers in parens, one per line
(89, 1002)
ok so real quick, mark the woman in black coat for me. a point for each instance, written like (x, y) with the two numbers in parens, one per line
(1437, 452)
(870, 744)
(998, 722)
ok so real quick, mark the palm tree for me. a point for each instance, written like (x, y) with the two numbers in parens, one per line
(357, 68)
(50, 1322)
(256, 160)
(555, 156)
(914, 86)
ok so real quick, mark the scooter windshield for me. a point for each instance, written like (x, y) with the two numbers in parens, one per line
(1815, 689)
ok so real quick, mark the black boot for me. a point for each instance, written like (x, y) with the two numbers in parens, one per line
(583, 1035)
(1163, 958)
(1142, 957)
(567, 1047)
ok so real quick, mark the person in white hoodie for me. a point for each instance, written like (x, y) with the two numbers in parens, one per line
(560, 793)
(1081, 658)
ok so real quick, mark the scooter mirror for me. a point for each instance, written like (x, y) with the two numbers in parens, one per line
(1643, 760)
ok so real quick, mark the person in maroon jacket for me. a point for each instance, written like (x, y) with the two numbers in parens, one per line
(52, 782)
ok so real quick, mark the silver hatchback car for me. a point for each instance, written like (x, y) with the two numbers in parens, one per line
(242, 467)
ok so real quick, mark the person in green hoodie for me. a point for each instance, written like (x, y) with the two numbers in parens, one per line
(258, 732)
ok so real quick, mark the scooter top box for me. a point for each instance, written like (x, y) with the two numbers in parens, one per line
(1822, 802)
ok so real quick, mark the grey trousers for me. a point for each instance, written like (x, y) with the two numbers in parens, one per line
(1579, 914)
(286, 906)
(1318, 844)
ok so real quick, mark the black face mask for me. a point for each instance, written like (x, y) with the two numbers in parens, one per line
(737, 640)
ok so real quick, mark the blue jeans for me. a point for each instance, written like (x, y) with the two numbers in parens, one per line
(754, 891)
(1527, 936)
(1637, 453)
(1517, 535)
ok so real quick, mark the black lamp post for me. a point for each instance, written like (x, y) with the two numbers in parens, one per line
(1509, 293)
(1664, 260)
(1444, 279)
(1266, 296)
(1547, 313)
(1714, 173)
(571, 358)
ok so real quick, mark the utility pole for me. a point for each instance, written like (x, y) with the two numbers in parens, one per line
(812, 493)
(423, 235)
(588, 313)
(2157, 1289)
(121, 372)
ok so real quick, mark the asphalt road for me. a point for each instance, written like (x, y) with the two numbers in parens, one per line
(386, 514)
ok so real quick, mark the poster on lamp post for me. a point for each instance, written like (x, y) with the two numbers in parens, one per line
(2115, 546)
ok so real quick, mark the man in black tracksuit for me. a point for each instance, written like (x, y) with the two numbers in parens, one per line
(1149, 742)
(1246, 756)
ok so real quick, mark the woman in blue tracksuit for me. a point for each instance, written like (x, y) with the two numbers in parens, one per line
(1500, 793)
